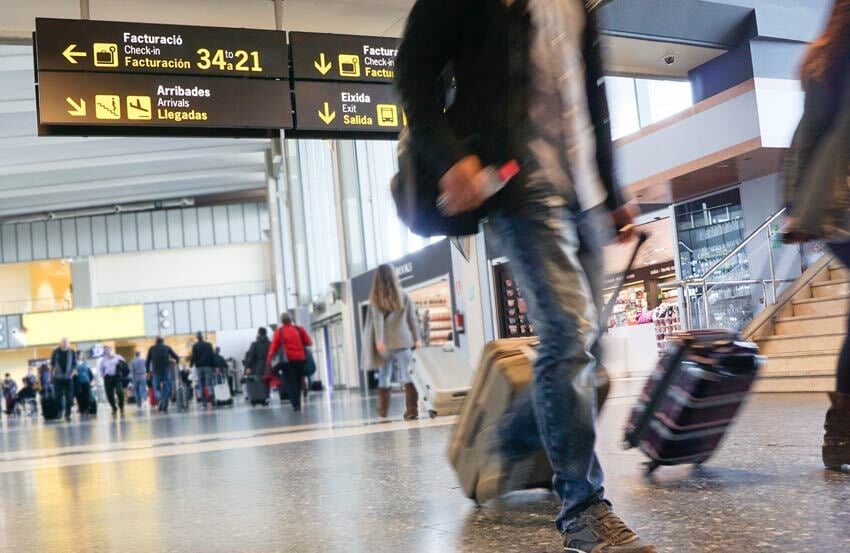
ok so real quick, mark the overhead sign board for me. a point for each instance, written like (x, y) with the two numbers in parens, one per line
(326, 57)
(162, 101)
(118, 47)
(354, 107)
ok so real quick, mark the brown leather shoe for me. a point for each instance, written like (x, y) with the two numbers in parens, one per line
(411, 402)
(383, 401)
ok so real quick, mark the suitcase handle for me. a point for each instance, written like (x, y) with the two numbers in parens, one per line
(642, 237)
(671, 370)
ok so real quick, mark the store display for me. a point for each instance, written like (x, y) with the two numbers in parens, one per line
(511, 306)
(435, 314)
(631, 302)
(667, 323)
(708, 231)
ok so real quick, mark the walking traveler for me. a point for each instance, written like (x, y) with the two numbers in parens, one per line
(45, 385)
(293, 340)
(257, 354)
(160, 362)
(63, 363)
(112, 379)
(391, 333)
(817, 177)
(139, 374)
(10, 393)
(203, 359)
(529, 92)
(84, 379)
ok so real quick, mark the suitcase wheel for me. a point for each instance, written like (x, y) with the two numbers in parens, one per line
(432, 414)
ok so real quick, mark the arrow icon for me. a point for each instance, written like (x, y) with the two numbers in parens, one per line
(327, 116)
(71, 55)
(78, 109)
(321, 65)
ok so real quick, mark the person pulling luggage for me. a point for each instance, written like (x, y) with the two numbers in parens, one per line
(529, 91)
(159, 363)
(203, 359)
(293, 340)
(139, 374)
(817, 176)
(390, 336)
(10, 392)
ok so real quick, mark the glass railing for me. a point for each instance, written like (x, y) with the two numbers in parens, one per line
(37, 305)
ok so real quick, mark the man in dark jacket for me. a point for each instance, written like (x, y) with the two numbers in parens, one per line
(159, 363)
(529, 90)
(257, 353)
(203, 359)
(63, 365)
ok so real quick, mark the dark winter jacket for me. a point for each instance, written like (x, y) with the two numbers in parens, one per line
(257, 355)
(485, 45)
(159, 359)
(203, 355)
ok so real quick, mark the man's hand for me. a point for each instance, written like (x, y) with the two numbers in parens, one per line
(461, 188)
(381, 347)
(623, 219)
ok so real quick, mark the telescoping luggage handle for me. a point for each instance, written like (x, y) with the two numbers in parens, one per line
(642, 237)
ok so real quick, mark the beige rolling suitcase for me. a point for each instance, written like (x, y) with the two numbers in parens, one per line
(506, 370)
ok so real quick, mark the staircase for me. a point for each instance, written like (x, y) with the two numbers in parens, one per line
(802, 334)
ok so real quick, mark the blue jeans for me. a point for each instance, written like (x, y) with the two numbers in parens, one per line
(555, 253)
(140, 391)
(162, 389)
(385, 373)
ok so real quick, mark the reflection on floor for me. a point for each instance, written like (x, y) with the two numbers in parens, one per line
(334, 479)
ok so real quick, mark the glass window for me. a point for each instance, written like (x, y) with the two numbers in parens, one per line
(622, 104)
(317, 188)
(668, 98)
(386, 237)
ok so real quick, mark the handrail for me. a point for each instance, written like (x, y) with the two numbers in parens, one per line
(744, 243)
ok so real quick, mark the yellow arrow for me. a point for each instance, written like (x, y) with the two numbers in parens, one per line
(70, 54)
(321, 65)
(79, 110)
(327, 116)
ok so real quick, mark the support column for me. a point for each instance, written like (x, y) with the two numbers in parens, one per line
(351, 366)
(278, 225)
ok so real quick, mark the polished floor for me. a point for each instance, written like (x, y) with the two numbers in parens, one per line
(334, 479)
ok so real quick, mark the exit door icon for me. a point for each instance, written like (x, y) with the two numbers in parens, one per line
(349, 65)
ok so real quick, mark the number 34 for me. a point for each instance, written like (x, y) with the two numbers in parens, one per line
(245, 61)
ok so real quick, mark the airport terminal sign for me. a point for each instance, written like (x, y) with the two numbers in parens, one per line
(355, 107)
(118, 47)
(326, 57)
(163, 101)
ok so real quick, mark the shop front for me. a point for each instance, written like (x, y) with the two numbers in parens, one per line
(426, 276)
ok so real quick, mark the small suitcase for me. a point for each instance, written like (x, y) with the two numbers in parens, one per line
(222, 395)
(50, 408)
(152, 396)
(442, 378)
(258, 392)
(183, 394)
(504, 373)
(692, 397)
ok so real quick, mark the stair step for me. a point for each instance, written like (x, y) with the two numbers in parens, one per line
(839, 273)
(835, 305)
(807, 343)
(831, 288)
(800, 364)
(823, 383)
(812, 325)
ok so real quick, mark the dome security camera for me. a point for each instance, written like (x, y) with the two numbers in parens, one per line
(670, 59)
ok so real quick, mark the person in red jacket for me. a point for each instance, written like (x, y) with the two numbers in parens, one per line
(293, 339)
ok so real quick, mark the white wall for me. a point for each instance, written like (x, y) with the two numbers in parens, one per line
(190, 273)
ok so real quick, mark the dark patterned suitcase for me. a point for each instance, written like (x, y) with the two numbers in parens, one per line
(692, 397)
